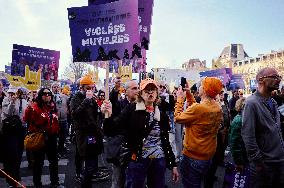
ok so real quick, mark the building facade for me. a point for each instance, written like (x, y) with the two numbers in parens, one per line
(250, 66)
(194, 64)
(229, 55)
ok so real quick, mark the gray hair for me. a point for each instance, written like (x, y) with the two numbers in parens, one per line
(127, 84)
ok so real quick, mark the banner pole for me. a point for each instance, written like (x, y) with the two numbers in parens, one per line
(107, 85)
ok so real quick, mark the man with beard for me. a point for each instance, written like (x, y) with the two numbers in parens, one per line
(261, 132)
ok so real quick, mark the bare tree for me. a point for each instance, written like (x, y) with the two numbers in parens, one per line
(75, 69)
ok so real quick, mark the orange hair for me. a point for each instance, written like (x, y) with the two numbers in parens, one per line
(212, 86)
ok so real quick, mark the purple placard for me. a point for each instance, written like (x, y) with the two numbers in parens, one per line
(222, 74)
(35, 58)
(145, 10)
(99, 2)
(103, 32)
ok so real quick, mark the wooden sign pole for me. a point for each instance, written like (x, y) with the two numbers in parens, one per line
(107, 85)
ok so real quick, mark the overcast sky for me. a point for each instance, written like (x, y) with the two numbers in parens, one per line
(181, 29)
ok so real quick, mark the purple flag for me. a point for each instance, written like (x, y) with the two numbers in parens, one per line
(35, 58)
(104, 32)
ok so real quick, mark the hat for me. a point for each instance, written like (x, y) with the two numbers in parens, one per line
(12, 89)
(146, 82)
(86, 80)
(212, 86)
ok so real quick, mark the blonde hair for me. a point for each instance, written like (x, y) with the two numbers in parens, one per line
(240, 104)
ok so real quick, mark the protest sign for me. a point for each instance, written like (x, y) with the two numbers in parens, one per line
(7, 69)
(145, 9)
(253, 84)
(236, 82)
(31, 80)
(173, 76)
(37, 59)
(223, 74)
(125, 72)
(104, 32)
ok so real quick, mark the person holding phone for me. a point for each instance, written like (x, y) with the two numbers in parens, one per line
(12, 134)
(88, 134)
(202, 122)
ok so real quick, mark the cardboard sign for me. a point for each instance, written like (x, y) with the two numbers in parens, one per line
(31, 81)
(37, 59)
(125, 73)
(104, 32)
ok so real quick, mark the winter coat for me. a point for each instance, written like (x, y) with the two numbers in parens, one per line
(42, 119)
(132, 121)
(9, 109)
(202, 122)
(261, 130)
(236, 142)
(85, 115)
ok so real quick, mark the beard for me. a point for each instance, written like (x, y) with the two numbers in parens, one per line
(273, 87)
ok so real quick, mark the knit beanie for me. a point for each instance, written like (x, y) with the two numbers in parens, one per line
(86, 80)
(212, 86)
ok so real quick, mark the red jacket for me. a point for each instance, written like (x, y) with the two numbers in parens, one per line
(41, 119)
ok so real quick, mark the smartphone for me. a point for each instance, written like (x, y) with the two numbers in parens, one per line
(183, 82)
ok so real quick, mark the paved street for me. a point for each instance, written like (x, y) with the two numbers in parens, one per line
(67, 173)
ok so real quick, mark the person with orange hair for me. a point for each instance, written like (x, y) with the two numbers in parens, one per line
(202, 122)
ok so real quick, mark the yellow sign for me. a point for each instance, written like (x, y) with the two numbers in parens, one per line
(31, 81)
(94, 74)
(125, 73)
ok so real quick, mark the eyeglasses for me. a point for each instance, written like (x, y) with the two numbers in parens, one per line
(275, 77)
(47, 93)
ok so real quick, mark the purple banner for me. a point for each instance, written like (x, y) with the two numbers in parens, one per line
(35, 58)
(222, 74)
(237, 82)
(145, 10)
(7, 69)
(99, 2)
(104, 32)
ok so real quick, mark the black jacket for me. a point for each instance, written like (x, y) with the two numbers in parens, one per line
(132, 121)
(85, 115)
(119, 106)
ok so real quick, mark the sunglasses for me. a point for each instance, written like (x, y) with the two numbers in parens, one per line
(163, 87)
(275, 77)
(102, 96)
(47, 93)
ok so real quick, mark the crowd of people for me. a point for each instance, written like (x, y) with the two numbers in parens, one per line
(143, 129)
